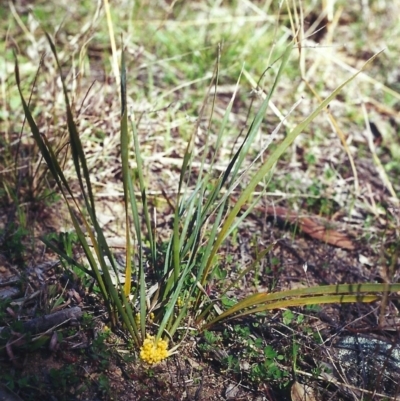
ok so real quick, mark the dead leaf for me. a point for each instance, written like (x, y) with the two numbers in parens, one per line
(324, 234)
(318, 231)
(232, 391)
(302, 392)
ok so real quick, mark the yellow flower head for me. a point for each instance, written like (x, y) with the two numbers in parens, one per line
(179, 302)
(153, 351)
(137, 318)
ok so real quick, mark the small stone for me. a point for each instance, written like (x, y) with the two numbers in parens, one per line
(231, 391)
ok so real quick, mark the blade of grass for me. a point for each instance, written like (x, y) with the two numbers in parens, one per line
(266, 167)
(76, 145)
(126, 177)
(109, 293)
(341, 290)
(330, 299)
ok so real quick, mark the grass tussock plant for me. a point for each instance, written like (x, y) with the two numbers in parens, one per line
(203, 220)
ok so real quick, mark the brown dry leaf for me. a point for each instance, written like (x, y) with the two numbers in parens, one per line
(324, 234)
(313, 229)
(302, 392)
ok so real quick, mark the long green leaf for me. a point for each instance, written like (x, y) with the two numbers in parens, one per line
(126, 176)
(267, 166)
(301, 295)
(319, 300)
(75, 142)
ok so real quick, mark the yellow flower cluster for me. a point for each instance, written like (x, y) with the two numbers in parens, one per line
(179, 302)
(137, 318)
(153, 351)
(150, 317)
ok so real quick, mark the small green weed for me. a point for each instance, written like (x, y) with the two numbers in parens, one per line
(12, 242)
(100, 351)
(28, 386)
(64, 380)
(240, 352)
(87, 321)
(263, 360)
(104, 384)
(270, 368)
(4, 304)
